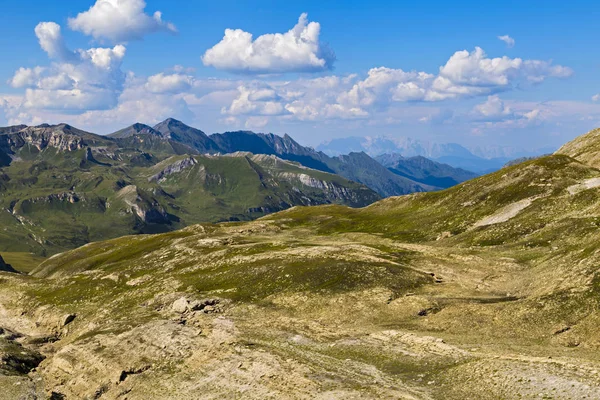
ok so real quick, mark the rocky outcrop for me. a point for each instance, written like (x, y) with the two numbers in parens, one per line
(69, 197)
(144, 206)
(331, 190)
(41, 138)
(173, 168)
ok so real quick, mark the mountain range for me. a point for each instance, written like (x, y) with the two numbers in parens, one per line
(356, 166)
(424, 170)
(479, 159)
(61, 187)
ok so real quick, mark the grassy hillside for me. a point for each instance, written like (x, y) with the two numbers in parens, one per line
(494, 280)
(59, 193)
(487, 290)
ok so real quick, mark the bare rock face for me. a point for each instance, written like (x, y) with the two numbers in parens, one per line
(4, 267)
(174, 168)
(45, 136)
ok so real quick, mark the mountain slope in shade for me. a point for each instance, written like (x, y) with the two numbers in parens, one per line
(4, 267)
(178, 131)
(359, 167)
(423, 170)
(261, 143)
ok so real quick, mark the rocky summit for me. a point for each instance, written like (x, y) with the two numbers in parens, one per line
(487, 290)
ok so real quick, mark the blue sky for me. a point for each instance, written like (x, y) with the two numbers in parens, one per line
(538, 92)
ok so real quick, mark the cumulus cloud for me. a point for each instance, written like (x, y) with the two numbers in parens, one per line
(510, 42)
(137, 105)
(495, 114)
(465, 74)
(384, 85)
(26, 77)
(256, 100)
(298, 50)
(302, 99)
(87, 87)
(493, 109)
(119, 21)
(169, 83)
(51, 41)
(476, 69)
(76, 81)
(596, 97)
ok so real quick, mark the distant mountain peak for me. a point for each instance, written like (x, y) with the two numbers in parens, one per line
(135, 129)
(171, 122)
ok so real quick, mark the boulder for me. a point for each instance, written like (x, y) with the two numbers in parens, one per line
(181, 305)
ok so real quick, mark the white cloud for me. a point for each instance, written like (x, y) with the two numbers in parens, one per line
(68, 99)
(88, 88)
(51, 41)
(119, 21)
(510, 42)
(476, 69)
(384, 85)
(596, 97)
(133, 107)
(496, 114)
(60, 81)
(493, 109)
(255, 101)
(465, 74)
(169, 83)
(77, 81)
(104, 58)
(298, 50)
(256, 122)
(537, 71)
(26, 77)
(302, 99)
